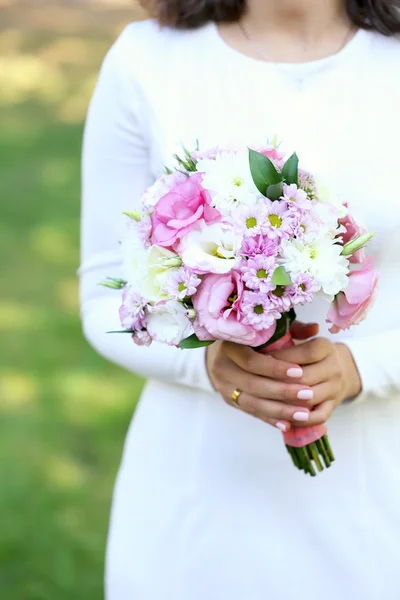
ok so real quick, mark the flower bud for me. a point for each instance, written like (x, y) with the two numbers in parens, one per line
(356, 244)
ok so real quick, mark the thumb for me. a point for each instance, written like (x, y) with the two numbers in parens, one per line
(303, 331)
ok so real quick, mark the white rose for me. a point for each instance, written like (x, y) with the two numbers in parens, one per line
(213, 249)
(168, 323)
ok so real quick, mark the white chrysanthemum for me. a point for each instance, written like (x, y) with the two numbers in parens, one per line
(229, 181)
(145, 269)
(321, 259)
(168, 323)
(213, 249)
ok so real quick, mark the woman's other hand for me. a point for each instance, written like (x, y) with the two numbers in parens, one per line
(329, 371)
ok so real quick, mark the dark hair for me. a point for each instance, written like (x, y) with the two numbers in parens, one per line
(379, 15)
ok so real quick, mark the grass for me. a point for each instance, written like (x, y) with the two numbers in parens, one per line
(63, 410)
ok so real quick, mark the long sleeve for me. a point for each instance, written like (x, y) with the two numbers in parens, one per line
(377, 360)
(115, 173)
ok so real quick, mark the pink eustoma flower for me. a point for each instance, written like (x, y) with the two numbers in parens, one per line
(180, 210)
(217, 304)
(351, 306)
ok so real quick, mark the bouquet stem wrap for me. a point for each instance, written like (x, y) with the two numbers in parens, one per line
(305, 444)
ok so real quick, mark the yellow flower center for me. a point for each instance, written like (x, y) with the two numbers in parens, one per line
(258, 309)
(262, 273)
(218, 252)
(232, 299)
(302, 287)
(181, 287)
(313, 253)
(238, 181)
(251, 222)
(275, 220)
(279, 292)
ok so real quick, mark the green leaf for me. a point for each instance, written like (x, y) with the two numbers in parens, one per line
(290, 171)
(292, 316)
(263, 172)
(194, 342)
(274, 192)
(280, 277)
(123, 331)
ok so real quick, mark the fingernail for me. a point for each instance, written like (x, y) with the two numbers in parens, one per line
(282, 426)
(301, 416)
(305, 395)
(295, 372)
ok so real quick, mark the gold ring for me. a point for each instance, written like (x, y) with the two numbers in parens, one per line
(235, 397)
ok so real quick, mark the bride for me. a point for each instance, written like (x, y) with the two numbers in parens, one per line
(207, 505)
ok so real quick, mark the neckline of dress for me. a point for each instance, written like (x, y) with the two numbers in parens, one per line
(298, 70)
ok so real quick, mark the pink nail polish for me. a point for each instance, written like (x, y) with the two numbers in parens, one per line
(301, 416)
(282, 426)
(305, 395)
(295, 372)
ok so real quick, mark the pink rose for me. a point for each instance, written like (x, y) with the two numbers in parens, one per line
(217, 304)
(353, 230)
(179, 210)
(351, 306)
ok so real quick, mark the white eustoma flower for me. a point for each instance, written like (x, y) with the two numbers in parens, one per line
(326, 195)
(229, 181)
(134, 255)
(147, 270)
(321, 259)
(213, 249)
(168, 323)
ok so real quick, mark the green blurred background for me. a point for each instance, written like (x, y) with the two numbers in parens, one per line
(63, 410)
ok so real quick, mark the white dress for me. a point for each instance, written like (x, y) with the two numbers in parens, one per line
(207, 505)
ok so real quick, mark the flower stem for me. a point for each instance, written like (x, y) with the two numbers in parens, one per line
(328, 448)
(293, 454)
(313, 453)
(323, 453)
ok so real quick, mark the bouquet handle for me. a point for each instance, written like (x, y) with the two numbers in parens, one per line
(304, 444)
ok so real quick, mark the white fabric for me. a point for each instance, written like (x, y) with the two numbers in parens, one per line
(207, 505)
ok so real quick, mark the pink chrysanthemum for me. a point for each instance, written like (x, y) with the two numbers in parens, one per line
(295, 196)
(258, 311)
(281, 299)
(132, 313)
(257, 272)
(258, 244)
(281, 222)
(182, 283)
(308, 227)
(303, 288)
(250, 221)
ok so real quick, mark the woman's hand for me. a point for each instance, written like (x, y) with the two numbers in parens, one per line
(329, 371)
(272, 388)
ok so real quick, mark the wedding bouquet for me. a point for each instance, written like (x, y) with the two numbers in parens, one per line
(227, 245)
